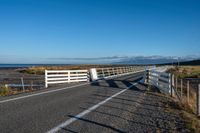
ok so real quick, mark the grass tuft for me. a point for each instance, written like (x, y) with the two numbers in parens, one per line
(186, 71)
(185, 113)
(4, 90)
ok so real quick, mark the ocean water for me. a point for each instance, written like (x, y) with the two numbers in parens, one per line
(29, 65)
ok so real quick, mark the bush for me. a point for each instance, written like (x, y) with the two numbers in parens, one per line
(4, 90)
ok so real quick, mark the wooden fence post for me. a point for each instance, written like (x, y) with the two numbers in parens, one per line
(198, 101)
(181, 88)
(176, 84)
(188, 91)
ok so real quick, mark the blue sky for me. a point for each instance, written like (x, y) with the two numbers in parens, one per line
(60, 31)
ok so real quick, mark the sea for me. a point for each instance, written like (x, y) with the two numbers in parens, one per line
(29, 65)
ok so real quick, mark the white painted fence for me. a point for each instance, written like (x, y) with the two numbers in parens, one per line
(162, 80)
(68, 76)
(65, 76)
(100, 73)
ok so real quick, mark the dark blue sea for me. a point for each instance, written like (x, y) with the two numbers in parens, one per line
(29, 65)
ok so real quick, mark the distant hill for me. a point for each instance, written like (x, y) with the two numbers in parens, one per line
(193, 62)
(158, 60)
(151, 60)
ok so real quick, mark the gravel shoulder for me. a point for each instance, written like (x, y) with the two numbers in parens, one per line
(136, 110)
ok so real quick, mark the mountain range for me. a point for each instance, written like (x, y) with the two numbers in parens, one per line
(155, 60)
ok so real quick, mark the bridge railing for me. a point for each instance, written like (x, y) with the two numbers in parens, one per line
(101, 73)
(65, 76)
(161, 80)
(69, 76)
(167, 82)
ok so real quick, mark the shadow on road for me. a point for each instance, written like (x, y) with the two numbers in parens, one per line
(99, 124)
(118, 83)
(131, 111)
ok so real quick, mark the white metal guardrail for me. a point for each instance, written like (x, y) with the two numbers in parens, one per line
(65, 76)
(162, 80)
(166, 82)
(100, 73)
(68, 76)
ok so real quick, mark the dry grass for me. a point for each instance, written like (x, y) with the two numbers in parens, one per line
(189, 104)
(7, 91)
(4, 90)
(187, 71)
(184, 112)
(182, 109)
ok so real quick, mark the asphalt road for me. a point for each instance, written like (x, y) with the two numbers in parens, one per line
(120, 105)
(41, 113)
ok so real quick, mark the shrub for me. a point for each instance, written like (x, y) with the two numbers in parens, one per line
(4, 90)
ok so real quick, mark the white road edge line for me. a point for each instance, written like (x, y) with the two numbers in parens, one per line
(71, 120)
(46, 92)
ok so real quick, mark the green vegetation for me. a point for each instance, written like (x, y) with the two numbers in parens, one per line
(186, 71)
(4, 90)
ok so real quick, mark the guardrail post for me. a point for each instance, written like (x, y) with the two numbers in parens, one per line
(117, 71)
(171, 84)
(102, 71)
(31, 85)
(157, 79)
(22, 80)
(147, 77)
(68, 76)
(46, 83)
(113, 71)
(109, 72)
(93, 74)
(198, 100)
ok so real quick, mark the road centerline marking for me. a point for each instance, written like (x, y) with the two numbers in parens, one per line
(71, 120)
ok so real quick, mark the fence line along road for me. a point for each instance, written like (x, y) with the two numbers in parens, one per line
(161, 80)
(65, 76)
(68, 76)
(100, 73)
(167, 82)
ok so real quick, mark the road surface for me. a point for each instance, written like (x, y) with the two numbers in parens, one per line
(112, 105)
